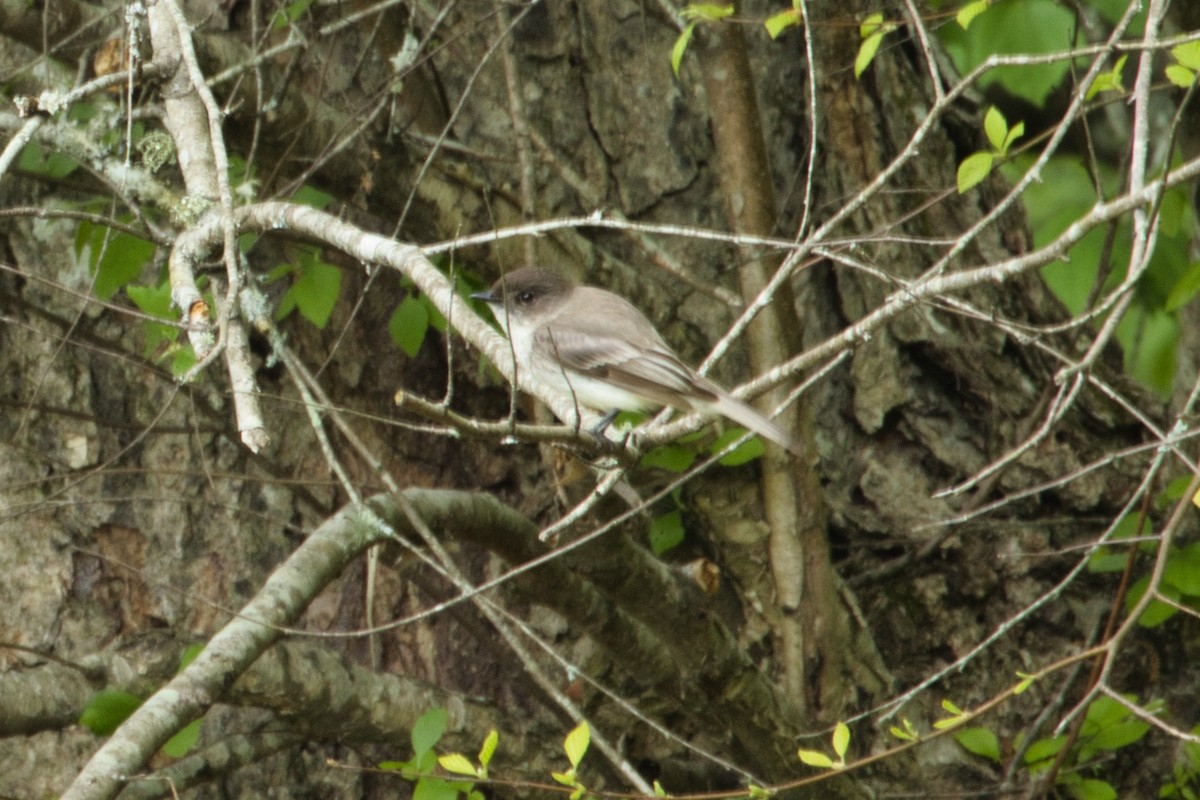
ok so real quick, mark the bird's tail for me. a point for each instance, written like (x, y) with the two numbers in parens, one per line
(751, 418)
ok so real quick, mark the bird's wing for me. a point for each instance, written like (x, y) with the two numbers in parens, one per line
(653, 373)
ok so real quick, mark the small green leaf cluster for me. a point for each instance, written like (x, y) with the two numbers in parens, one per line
(428, 784)
(776, 24)
(839, 741)
(872, 30)
(1108, 726)
(1185, 773)
(679, 455)
(113, 258)
(290, 13)
(1017, 27)
(667, 529)
(1180, 581)
(697, 13)
(461, 765)
(575, 746)
(412, 319)
(1098, 262)
(315, 286)
(1187, 65)
(977, 166)
(116, 259)
(1109, 80)
(106, 710)
(162, 341)
(421, 769)
(36, 160)
(957, 716)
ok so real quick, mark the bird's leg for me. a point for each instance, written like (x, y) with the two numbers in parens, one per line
(600, 427)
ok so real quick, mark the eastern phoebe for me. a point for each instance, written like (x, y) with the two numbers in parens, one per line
(594, 347)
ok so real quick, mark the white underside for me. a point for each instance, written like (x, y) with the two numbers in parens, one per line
(584, 391)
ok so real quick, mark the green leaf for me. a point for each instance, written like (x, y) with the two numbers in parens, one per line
(565, 778)
(996, 128)
(815, 758)
(841, 740)
(1183, 570)
(36, 159)
(970, 11)
(1150, 338)
(1092, 789)
(409, 324)
(1157, 612)
(744, 453)
(1017, 27)
(428, 729)
(1184, 289)
(680, 47)
(114, 258)
(107, 709)
(183, 358)
(182, 742)
(959, 716)
(1174, 491)
(314, 290)
(1042, 751)
(307, 195)
(1015, 133)
(871, 25)
(1064, 193)
(671, 457)
(290, 13)
(666, 532)
(1114, 736)
(576, 743)
(1109, 81)
(1187, 54)
(436, 320)
(1180, 76)
(161, 341)
(906, 734)
(423, 763)
(1025, 682)
(710, 12)
(973, 170)
(1107, 560)
(778, 23)
(457, 763)
(489, 747)
(428, 788)
(153, 300)
(979, 741)
(189, 655)
(866, 54)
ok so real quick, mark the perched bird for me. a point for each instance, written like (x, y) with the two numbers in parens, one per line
(599, 351)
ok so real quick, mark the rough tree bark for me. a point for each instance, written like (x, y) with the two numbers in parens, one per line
(135, 521)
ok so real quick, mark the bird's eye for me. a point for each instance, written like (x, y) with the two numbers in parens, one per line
(525, 297)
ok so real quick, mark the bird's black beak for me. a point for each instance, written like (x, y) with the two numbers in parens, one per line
(488, 297)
